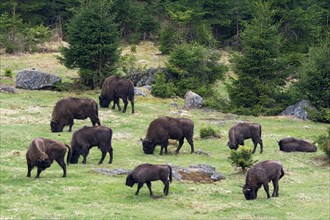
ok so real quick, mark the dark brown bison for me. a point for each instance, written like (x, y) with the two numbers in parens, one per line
(164, 128)
(243, 131)
(145, 173)
(42, 152)
(71, 108)
(293, 144)
(88, 137)
(261, 174)
(115, 88)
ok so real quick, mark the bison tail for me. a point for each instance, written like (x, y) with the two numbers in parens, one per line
(68, 157)
(282, 173)
(170, 173)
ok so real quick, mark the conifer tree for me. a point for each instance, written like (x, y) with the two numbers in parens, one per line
(259, 70)
(93, 41)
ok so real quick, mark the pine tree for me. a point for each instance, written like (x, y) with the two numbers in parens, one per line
(259, 78)
(94, 42)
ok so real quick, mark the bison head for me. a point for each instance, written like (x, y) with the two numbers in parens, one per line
(249, 192)
(104, 102)
(74, 157)
(55, 126)
(232, 145)
(44, 163)
(130, 181)
(148, 146)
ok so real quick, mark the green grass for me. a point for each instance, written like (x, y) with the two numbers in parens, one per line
(86, 194)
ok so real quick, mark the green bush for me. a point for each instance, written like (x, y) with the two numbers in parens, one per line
(133, 48)
(322, 115)
(161, 88)
(208, 133)
(323, 142)
(242, 158)
(8, 73)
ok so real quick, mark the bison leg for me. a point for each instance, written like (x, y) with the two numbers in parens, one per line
(266, 187)
(180, 145)
(95, 120)
(102, 157)
(132, 105)
(191, 143)
(29, 170)
(276, 187)
(38, 172)
(125, 105)
(111, 154)
(85, 152)
(261, 145)
(166, 186)
(62, 164)
(116, 102)
(70, 125)
(139, 187)
(162, 147)
(149, 187)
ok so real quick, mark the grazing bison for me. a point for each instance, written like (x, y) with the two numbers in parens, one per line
(71, 108)
(293, 144)
(242, 131)
(88, 137)
(115, 88)
(164, 128)
(260, 174)
(42, 152)
(145, 173)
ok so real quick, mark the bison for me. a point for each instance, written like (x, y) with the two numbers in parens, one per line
(115, 88)
(42, 152)
(71, 108)
(243, 131)
(145, 173)
(164, 128)
(293, 144)
(88, 137)
(261, 174)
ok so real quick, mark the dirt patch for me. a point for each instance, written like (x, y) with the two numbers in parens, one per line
(196, 176)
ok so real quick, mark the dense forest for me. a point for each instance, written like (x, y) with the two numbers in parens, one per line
(280, 48)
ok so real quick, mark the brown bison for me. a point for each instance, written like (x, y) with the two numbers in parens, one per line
(115, 88)
(164, 128)
(145, 173)
(243, 131)
(261, 174)
(42, 152)
(71, 108)
(293, 144)
(88, 137)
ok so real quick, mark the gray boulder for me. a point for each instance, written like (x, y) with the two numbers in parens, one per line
(192, 100)
(8, 89)
(32, 79)
(299, 109)
(148, 77)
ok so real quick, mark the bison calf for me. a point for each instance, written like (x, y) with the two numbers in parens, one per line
(164, 128)
(293, 144)
(115, 88)
(42, 152)
(71, 108)
(145, 173)
(243, 131)
(88, 137)
(260, 174)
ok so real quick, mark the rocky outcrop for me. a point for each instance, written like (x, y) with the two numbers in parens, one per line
(32, 79)
(147, 77)
(192, 100)
(299, 109)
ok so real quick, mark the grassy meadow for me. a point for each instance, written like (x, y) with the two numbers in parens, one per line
(87, 194)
